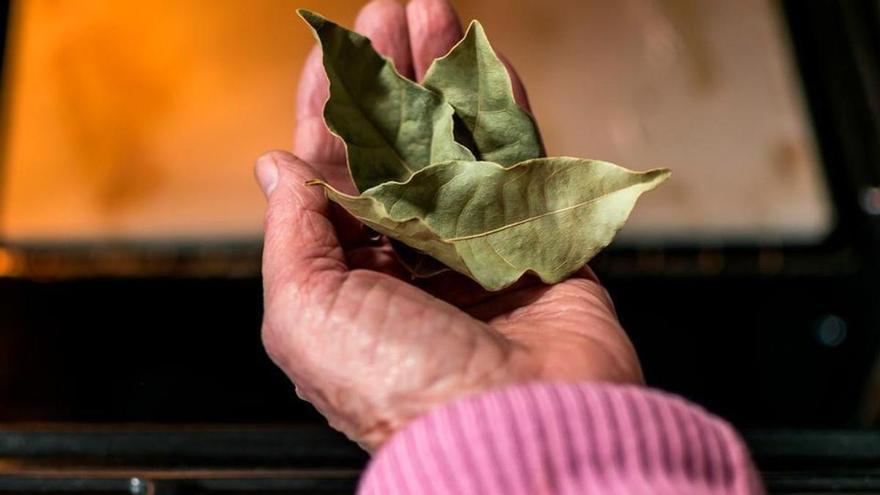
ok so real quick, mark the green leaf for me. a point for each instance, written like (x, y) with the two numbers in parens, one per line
(391, 126)
(548, 216)
(475, 82)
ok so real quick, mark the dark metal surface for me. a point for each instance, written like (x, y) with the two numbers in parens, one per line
(215, 482)
(837, 44)
(197, 445)
(316, 460)
(177, 460)
(818, 462)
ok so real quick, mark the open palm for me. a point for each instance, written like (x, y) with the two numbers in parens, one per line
(368, 346)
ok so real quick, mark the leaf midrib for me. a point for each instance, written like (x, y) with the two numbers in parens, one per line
(536, 217)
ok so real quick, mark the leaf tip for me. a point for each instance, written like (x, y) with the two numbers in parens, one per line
(313, 19)
(653, 178)
(660, 175)
(476, 30)
(315, 182)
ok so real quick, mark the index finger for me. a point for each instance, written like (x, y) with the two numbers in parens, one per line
(434, 29)
(312, 141)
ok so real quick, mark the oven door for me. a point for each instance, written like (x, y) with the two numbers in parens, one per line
(130, 353)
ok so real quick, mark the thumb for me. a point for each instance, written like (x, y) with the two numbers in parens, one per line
(300, 250)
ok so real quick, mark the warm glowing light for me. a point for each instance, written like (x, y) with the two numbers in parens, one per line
(8, 263)
(142, 119)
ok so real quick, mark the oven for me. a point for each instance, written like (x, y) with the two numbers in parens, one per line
(130, 297)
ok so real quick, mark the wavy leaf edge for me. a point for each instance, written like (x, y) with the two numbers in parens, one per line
(475, 28)
(305, 15)
(652, 179)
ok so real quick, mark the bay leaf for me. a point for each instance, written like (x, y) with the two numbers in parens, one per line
(476, 83)
(547, 216)
(391, 125)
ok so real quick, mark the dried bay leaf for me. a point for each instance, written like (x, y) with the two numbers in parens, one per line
(476, 83)
(489, 121)
(391, 125)
(451, 171)
(547, 216)
(380, 148)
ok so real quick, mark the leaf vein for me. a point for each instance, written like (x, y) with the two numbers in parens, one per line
(536, 217)
(356, 103)
(495, 250)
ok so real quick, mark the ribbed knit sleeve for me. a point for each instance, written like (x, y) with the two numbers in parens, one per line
(560, 439)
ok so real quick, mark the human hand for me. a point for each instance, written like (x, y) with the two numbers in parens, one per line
(372, 349)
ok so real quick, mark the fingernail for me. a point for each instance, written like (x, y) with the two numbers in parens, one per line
(267, 175)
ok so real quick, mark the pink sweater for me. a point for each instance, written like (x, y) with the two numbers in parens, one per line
(560, 439)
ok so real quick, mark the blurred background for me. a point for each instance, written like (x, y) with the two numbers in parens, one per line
(129, 121)
(130, 227)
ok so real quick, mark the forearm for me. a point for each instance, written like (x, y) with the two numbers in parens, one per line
(564, 438)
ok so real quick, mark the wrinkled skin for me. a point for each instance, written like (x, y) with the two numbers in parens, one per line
(371, 348)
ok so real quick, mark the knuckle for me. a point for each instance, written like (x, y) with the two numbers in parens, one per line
(277, 156)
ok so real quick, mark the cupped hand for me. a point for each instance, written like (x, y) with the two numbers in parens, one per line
(371, 348)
